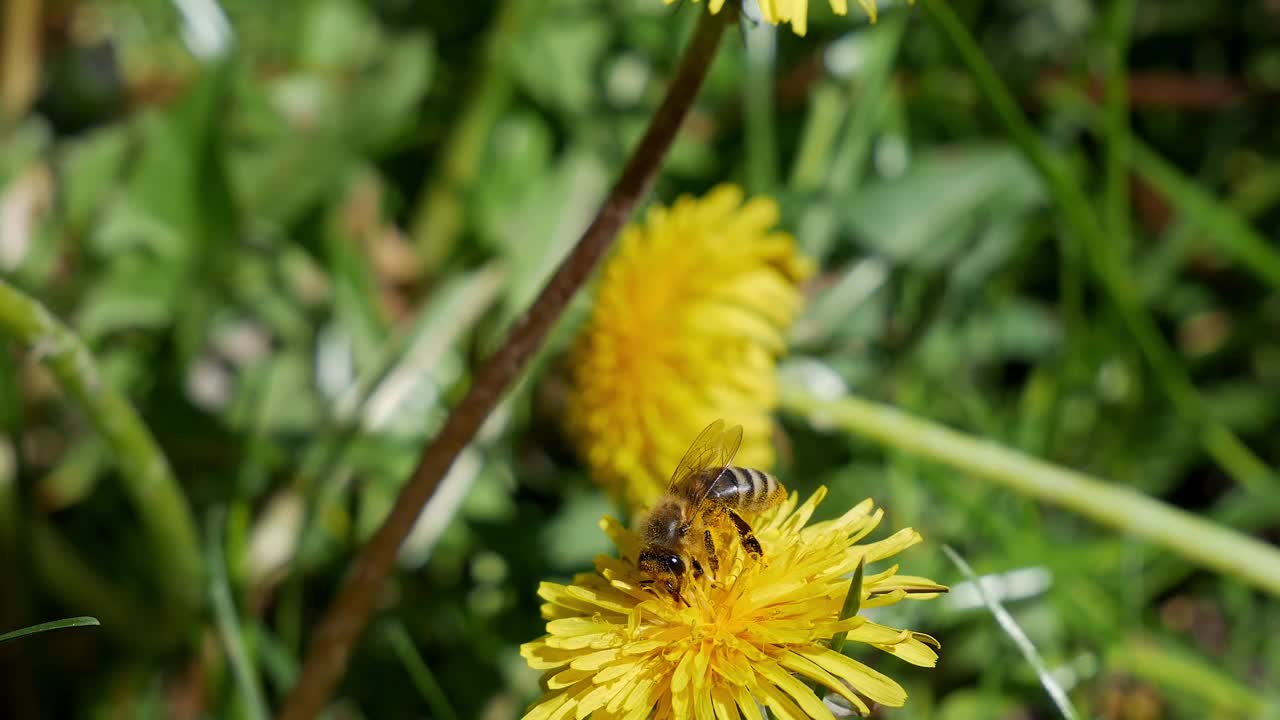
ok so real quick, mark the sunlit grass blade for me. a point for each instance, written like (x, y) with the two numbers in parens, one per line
(83, 621)
(1020, 639)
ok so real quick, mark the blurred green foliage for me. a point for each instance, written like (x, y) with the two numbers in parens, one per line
(242, 240)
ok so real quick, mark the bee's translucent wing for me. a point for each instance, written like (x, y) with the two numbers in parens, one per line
(727, 447)
(702, 454)
(714, 448)
(729, 444)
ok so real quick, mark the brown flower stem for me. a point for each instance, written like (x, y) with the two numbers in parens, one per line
(342, 624)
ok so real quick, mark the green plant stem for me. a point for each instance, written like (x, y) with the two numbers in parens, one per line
(1118, 507)
(144, 471)
(1238, 509)
(1216, 439)
(344, 621)
(440, 211)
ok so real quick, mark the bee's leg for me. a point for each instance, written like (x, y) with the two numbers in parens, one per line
(749, 541)
(697, 568)
(712, 558)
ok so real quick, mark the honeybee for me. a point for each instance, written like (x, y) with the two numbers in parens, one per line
(704, 499)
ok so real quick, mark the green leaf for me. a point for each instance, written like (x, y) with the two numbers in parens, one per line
(90, 167)
(136, 292)
(538, 233)
(83, 621)
(384, 105)
(557, 62)
(338, 33)
(927, 216)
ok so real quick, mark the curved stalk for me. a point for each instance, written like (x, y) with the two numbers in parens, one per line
(144, 471)
(1116, 506)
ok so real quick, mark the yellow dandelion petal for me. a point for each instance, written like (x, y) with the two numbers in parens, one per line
(890, 546)
(540, 656)
(691, 314)
(802, 694)
(808, 668)
(726, 708)
(800, 17)
(747, 704)
(781, 707)
(913, 650)
(874, 685)
(758, 635)
(567, 678)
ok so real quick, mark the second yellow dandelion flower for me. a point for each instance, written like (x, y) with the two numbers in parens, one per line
(689, 319)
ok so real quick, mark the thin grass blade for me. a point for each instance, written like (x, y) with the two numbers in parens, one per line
(83, 621)
(1011, 628)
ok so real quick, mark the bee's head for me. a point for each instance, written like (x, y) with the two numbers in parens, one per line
(664, 569)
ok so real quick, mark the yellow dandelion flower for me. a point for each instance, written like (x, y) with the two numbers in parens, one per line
(689, 320)
(795, 12)
(753, 638)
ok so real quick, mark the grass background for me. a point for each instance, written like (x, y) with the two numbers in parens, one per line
(289, 257)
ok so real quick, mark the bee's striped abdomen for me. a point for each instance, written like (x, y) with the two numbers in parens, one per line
(746, 488)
